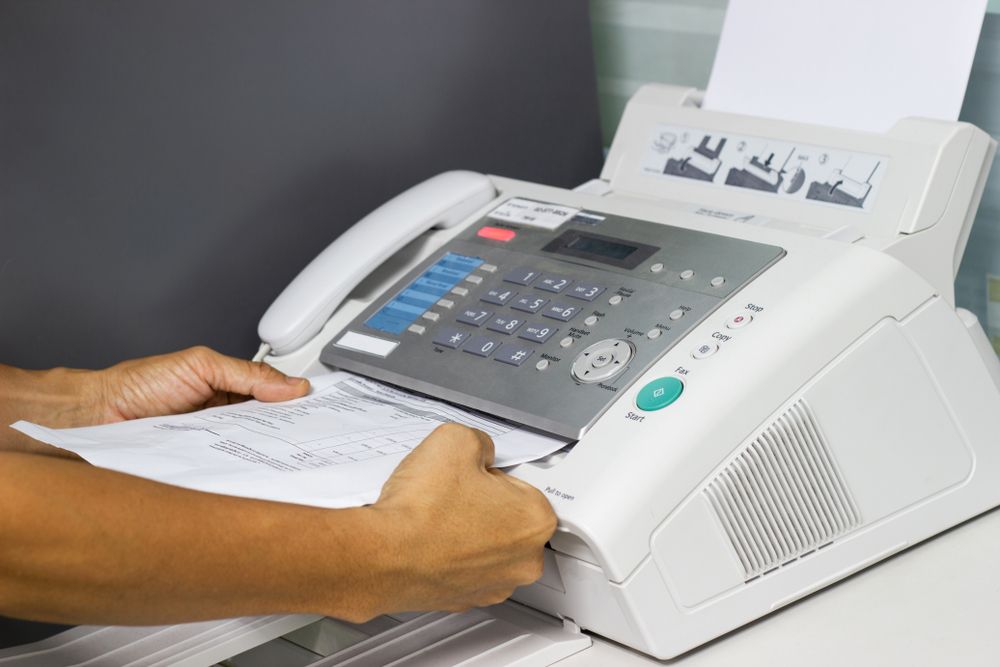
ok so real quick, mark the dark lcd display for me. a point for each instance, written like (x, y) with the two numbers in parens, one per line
(603, 249)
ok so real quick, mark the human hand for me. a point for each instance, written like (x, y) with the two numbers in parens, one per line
(459, 533)
(184, 381)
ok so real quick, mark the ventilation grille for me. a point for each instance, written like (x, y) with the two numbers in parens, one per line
(782, 497)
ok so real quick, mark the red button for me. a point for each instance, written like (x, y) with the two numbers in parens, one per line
(496, 234)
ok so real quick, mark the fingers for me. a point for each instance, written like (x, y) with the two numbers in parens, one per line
(249, 378)
(461, 445)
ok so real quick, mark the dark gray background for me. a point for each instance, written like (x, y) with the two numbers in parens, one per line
(167, 166)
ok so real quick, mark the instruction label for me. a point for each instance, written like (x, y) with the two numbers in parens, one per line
(813, 174)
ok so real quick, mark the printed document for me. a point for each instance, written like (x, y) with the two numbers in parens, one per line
(335, 447)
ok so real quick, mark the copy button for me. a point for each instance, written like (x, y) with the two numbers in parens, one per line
(659, 393)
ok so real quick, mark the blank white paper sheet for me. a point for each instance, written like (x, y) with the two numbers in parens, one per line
(857, 64)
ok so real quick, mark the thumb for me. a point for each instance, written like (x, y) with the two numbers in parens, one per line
(250, 378)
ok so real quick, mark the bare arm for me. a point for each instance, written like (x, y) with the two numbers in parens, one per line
(86, 545)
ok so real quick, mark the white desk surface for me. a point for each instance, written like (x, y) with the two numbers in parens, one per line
(937, 603)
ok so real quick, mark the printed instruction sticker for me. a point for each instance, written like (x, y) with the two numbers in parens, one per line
(533, 213)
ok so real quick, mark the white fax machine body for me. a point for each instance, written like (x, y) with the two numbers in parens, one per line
(824, 404)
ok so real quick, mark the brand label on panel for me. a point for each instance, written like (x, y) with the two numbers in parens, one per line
(533, 213)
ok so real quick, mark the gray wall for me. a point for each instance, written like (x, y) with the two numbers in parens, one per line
(167, 166)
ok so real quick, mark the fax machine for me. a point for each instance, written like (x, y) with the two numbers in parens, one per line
(746, 328)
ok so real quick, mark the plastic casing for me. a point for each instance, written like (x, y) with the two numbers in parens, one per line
(855, 323)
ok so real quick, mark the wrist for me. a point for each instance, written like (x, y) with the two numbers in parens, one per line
(59, 398)
(65, 398)
(357, 575)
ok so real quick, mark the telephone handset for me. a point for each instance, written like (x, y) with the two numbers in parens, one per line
(302, 309)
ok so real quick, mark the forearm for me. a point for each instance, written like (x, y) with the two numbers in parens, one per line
(85, 545)
(60, 398)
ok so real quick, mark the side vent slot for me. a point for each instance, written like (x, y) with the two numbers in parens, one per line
(782, 497)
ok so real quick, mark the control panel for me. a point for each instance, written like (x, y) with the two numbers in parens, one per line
(545, 324)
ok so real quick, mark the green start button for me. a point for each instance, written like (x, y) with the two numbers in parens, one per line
(659, 393)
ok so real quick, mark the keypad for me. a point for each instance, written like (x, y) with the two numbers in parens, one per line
(586, 291)
(474, 316)
(553, 283)
(511, 338)
(512, 354)
(498, 296)
(538, 333)
(481, 346)
(561, 312)
(508, 323)
(450, 337)
(529, 303)
(505, 325)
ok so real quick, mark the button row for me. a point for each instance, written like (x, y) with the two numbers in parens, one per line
(688, 274)
(536, 332)
(484, 346)
(554, 283)
(556, 311)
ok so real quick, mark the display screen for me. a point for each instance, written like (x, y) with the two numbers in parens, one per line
(603, 249)
(595, 246)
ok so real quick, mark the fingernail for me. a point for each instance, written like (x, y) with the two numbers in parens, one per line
(294, 380)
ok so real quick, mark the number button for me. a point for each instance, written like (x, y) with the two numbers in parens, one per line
(529, 303)
(498, 296)
(515, 355)
(473, 316)
(452, 338)
(553, 283)
(539, 333)
(481, 346)
(561, 312)
(521, 276)
(505, 325)
(585, 292)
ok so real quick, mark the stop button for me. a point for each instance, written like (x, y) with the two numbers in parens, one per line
(659, 393)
